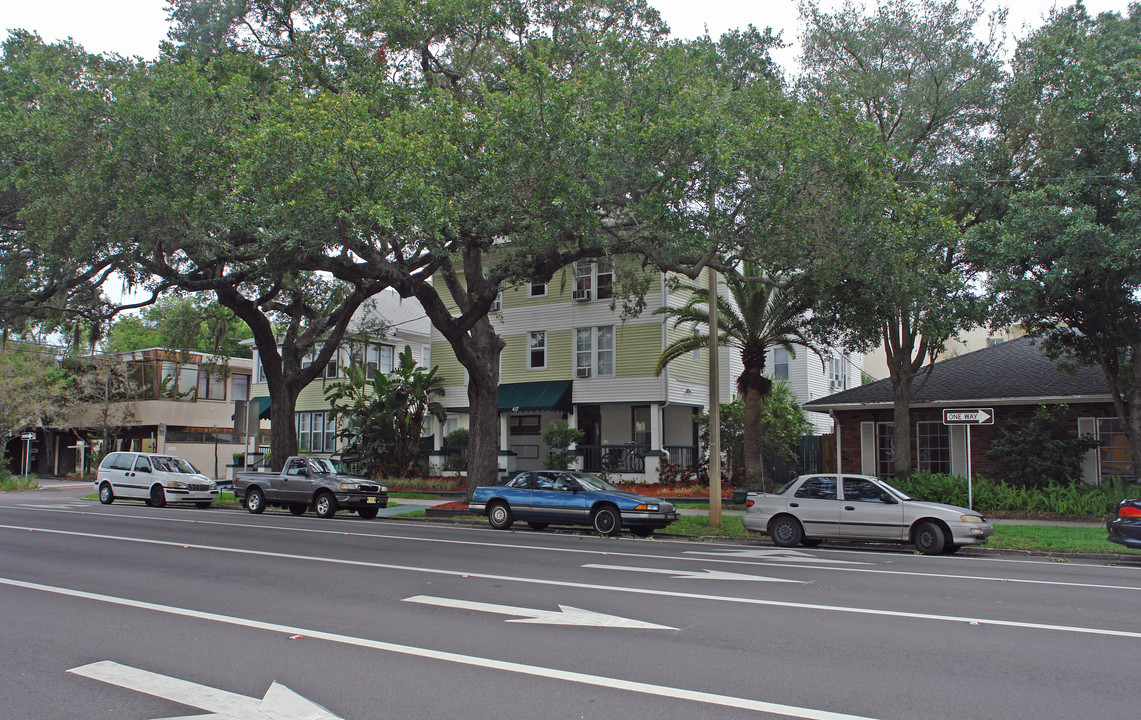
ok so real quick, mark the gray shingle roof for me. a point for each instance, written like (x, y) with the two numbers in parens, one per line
(1016, 371)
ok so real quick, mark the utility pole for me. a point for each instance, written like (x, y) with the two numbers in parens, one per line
(714, 409)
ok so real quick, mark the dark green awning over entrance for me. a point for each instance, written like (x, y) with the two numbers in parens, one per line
(262, 404)
(542, 395)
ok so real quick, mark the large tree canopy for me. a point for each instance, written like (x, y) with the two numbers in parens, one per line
(1064, 258)
(917, 72)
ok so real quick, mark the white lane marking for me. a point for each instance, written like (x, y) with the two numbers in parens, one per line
(608, 588)
(565, 615)
(694, 574)
(279, 703)
(723, 556)
(486, 663)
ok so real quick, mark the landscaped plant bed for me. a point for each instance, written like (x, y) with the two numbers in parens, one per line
(449, 509)
(680, 492)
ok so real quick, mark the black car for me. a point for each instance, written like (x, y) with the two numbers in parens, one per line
(1125, 525)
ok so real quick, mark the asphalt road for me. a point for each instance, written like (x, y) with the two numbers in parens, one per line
(111, 612)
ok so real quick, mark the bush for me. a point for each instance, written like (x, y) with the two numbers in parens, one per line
(992, 497)
(1042, 450)
(558, 436)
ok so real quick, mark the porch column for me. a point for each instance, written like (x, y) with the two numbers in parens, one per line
(504, 441)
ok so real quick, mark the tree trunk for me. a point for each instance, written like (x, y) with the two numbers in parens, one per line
(482, 363)
(754, 387)
(901, 448)
(283, 429)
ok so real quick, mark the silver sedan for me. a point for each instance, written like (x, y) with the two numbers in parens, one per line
(814, 508)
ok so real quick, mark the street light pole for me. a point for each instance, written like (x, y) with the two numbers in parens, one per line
(714, 409)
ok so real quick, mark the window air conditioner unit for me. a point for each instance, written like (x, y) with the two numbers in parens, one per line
(584, 372)
(580, 295)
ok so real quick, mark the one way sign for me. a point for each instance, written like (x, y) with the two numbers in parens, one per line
(969, 416)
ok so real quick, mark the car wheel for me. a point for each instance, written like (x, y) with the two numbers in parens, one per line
(325, 505)
(951, 548)
(499, 515)
(298, 508)
(929, 538)
(811, 542)
(368, 513)
(537, 525)
(158, 497)
(786, 531)
(203, 504)
(642, 532)
(255, 501)
(106, 494)
(606, 521)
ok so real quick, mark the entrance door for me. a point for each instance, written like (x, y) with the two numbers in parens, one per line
(590, 422)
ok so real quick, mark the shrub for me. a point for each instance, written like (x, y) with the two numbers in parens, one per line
(1042, 450)
(558, 436)
(991, 497)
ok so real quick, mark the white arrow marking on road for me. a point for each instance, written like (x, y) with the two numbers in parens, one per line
(694, 574)
(775, 554)
(279, 703)
(565, 615)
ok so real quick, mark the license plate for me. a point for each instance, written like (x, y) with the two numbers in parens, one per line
(370, 500)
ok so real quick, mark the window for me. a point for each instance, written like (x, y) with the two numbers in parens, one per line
(426, 357)
(992, 341)
(316, 431)
(594, 351)
(584, 280)
(537, 350)
(933, 441)
(604, 277)
(818, 488)
(838, 379)
(885, 449)
(1115, 456)
(780, 364)
(211, 386)
(240, 387)
(331, 368)
(537, 290)
(594, 281)
(497, 303)
(523, 424)
(857, 490)
(387, 359)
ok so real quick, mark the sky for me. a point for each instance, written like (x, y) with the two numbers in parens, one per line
(136, 27)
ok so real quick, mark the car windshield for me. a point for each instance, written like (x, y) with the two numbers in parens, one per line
(174, 465)
(898, 493)
(323, 466)
(592, 482)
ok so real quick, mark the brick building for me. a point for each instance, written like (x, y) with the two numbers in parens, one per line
(1012, 379)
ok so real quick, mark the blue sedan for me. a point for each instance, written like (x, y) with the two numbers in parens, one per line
(557, 497)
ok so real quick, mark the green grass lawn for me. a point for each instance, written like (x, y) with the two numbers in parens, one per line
(1045, 538)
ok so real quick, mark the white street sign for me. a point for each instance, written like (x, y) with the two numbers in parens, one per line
(969, 416)
(694, 574)
(279, 703)
(565, 615)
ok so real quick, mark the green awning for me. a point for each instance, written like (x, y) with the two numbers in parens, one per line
(262, 404)
(542, 395)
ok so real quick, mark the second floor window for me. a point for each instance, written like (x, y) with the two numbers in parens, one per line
(839, 379)
(240, 386)
(211, 386)
(537, 350)
(780, 364)
(594, 352)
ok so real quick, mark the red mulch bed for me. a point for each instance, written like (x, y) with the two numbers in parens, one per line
(451, 506)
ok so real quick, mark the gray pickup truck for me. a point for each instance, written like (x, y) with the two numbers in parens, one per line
(310, 482)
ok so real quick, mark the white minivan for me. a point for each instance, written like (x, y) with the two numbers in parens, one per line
(153, 478)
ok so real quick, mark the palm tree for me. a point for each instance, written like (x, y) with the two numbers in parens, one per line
(760, 313)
